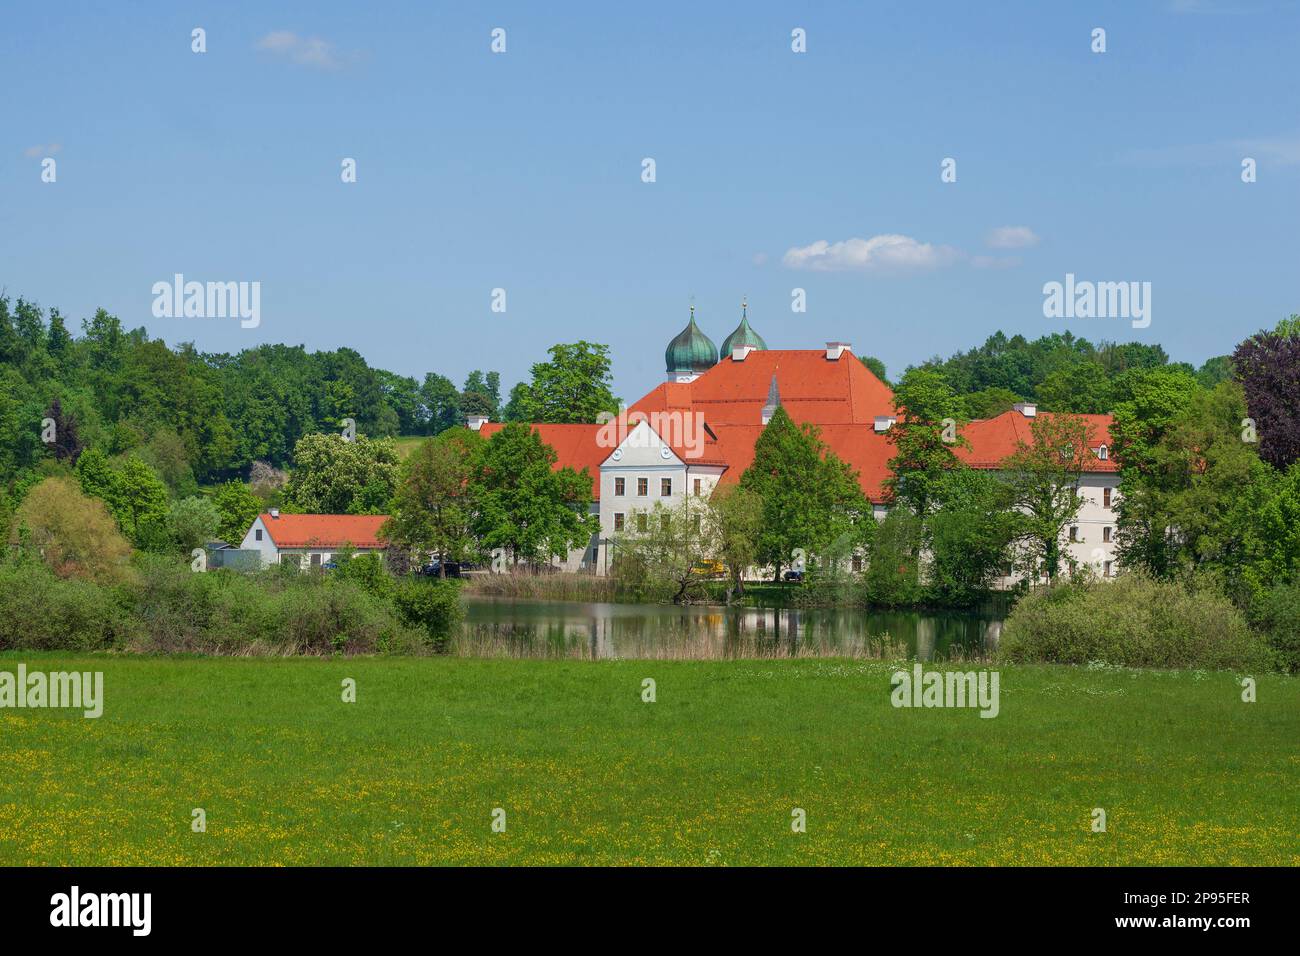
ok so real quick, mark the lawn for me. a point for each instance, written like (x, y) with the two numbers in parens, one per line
(587, 773)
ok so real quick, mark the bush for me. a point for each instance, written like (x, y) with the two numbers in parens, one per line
(1134, 621)
(432, 605)
(40, 611)
(1277, 614)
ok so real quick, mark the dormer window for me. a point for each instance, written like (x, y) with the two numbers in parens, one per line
(1103, 453)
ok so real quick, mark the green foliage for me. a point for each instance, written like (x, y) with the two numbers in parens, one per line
(71, 533)
(237, 508)
(433, 606)
(988, 402)
(737, 517)
(1277, 614)
(1134, 621)
(876, 366)
(893, 576)
(41, 611)
(1043, 475)
(970, 536)
(927, 410)
(810, 496)
(573, 387)
(669, 556)
(192, 522)
(1083, 388)
(332, 475)
(525, 506)
(167, 608)
(435, 502)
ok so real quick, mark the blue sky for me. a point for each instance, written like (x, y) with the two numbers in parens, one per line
(522, 171)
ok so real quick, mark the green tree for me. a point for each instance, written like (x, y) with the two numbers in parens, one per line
(71, 533)
(237, 509)
(192, 522)
(1044, 476)
(810, 496)
(969, 536)
(434, 506)
(525, 506)
(1083, 388)
(738, 522)
(923, 452)
(332, 475)
(893, 577)
(573, 387)
(667, 545)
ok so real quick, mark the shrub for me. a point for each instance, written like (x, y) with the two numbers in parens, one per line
(40, 611)
(1134, 621)
(71, 532)
(1277, 614)
(434, 606)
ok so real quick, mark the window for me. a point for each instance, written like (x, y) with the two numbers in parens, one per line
(1074, 532)
(257, 535)
(1109, 572)
(642, 523)
(665, 487)
(1105, 497)
(618, 521)
(620, 486)
(643, 486)
(697, 487)
(857, 563)
(1105, 534)
(1103, 453)
(315, 560)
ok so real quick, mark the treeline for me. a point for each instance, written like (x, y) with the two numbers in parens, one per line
(198, 417)
(1060, 372)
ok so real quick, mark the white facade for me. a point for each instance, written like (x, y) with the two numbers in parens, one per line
(259, 539)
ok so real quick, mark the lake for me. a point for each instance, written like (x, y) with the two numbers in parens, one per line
(509, 627)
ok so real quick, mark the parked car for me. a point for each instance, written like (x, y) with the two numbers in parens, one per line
(794, 575)
(433, 569)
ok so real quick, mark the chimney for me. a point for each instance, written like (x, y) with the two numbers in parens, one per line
(740, 351)
(1028, 409)
(835, 349)
(885, 422)
(275, 512)
(475, 422)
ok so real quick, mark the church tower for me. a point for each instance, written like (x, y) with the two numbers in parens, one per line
(690, 354)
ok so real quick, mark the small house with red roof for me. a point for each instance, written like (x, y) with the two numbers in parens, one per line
(312, 540)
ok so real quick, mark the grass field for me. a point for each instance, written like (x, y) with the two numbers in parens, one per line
(587, 773)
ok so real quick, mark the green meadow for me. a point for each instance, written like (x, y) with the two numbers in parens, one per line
(586, 772)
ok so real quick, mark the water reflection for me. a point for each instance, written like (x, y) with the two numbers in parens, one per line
(497, 627)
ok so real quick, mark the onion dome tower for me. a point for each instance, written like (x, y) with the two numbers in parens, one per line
(743, 335)
(690, 354)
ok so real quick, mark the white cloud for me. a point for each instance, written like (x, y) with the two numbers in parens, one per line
(42, 149)
(880, 254)
(1011, 237)
(304, 51)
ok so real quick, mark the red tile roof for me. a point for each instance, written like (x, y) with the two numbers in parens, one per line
(993, 439)
(813, 389)
(842, 398)
(864, 449)
(575, 447)
(326, 531)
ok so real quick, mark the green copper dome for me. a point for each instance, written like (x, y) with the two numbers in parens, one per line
(691, 350)
(743, 335)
